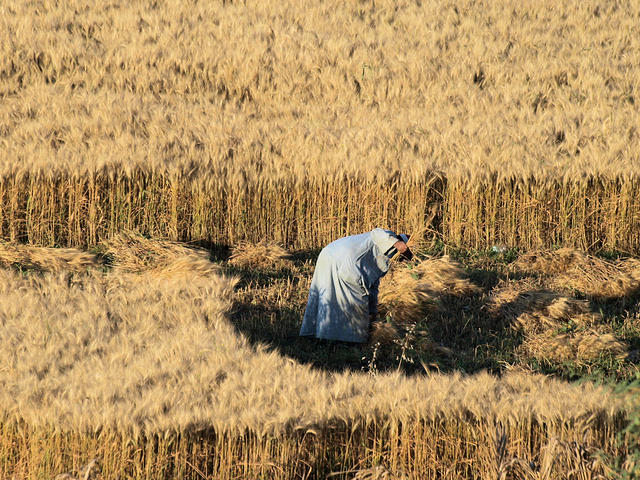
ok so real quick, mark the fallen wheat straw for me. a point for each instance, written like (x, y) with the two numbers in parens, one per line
(134, 253)
(410, 291)
(589, 275)
(46, 259)
(556, 327)
(259, 255)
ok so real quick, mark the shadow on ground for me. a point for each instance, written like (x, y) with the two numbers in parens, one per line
(461, 335)
(270, 306)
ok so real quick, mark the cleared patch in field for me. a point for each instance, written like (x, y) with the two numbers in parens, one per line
(181, 391)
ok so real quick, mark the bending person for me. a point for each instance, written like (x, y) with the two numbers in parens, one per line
(343, 297)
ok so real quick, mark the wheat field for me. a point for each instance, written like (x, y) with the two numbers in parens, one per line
(145, 371)
(133, 132)
(219, 122)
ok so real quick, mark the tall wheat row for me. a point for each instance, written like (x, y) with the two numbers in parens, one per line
(299, 123)
(145, 373)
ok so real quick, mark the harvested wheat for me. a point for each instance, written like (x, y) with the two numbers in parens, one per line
(383, 333)
(575, 346)
(136, 254)
(542, 315)
(549, 262)
(517, 301)
(259, 255)
(412, 290)
(593, 277)
(445, 276)
(46, 259)
(558, 312)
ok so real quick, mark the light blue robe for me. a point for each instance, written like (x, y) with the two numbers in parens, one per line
(344, 289)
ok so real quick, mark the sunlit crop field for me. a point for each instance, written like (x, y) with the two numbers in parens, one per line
(504, 134)
(495, 123)
(156, 362)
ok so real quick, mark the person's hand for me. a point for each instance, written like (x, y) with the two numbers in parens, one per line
(401, 246)
(403, 250)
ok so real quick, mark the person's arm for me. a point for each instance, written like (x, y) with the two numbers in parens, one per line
(383, 239)
(389, 243)
(373, 298)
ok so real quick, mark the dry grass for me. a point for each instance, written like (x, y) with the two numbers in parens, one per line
(46, 259)
(261, 255)
(134, 253)
(556, 327)
(574, 347)
(296, 123)
(591, 276)
(410, 291)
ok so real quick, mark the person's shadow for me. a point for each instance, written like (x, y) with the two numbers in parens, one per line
(269, 308)
(466, 333)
